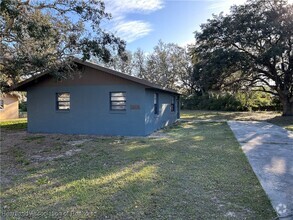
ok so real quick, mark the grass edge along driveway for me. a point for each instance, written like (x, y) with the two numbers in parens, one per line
(269, 116)
(196, 171)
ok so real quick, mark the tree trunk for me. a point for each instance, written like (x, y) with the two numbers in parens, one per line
(287, 107)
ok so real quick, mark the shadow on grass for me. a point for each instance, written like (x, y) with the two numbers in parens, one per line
(286, 122)
(199, 171)
(224, 115)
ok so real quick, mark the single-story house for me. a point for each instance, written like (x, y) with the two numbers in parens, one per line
(8, 106)
(98, 101)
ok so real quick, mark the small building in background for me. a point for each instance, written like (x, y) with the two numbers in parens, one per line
(98, 101)
(8, 106)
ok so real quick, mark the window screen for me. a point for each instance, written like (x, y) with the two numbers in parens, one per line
(173, 104)
(156, 103)
(63, 101)
(118, 101)
(1, 104)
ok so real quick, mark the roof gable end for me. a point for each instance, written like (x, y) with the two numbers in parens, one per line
(33, 80)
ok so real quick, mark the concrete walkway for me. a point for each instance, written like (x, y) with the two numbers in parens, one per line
(269, 149)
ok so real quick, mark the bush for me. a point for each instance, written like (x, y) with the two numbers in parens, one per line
(228, 102)
(22, 107)
(224, 102)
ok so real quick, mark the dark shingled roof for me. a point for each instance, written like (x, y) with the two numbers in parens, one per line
(33, 80)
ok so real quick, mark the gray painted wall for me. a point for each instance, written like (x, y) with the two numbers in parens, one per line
(90, 107)
(165, 117)
(89, 111)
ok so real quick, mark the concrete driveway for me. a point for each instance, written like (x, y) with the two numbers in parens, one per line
(269, 149)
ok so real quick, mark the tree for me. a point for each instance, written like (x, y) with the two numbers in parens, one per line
(252, 46)
(139, 63)
(122, 63)
(187, 81)
(168, 65)
(161, 65)
(37, 36)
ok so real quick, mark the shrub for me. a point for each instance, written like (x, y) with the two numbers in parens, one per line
(229, 102)
(22, 107)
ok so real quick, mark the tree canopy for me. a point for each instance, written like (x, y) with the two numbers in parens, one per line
(43, 35)
(250, 47)
(168, 65)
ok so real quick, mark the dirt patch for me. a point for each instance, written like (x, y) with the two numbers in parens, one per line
(69, 153)
(79, 142)
(158, 134)
(231, 214)
(20, 151)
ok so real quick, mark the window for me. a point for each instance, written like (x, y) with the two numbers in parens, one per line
(63, 101)
(1, 104)
(156, 103)
(173, 104)
(118, 101)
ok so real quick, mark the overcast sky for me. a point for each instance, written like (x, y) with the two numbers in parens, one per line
(142, 23)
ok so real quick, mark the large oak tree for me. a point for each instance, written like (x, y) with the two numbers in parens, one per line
(38, 36)
(252, 46)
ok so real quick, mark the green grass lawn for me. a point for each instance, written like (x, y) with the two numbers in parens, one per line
(15, 124)
(195, 171)
(272, 117)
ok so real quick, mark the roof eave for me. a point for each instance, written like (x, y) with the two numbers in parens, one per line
(22, 86)
(125, 76)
